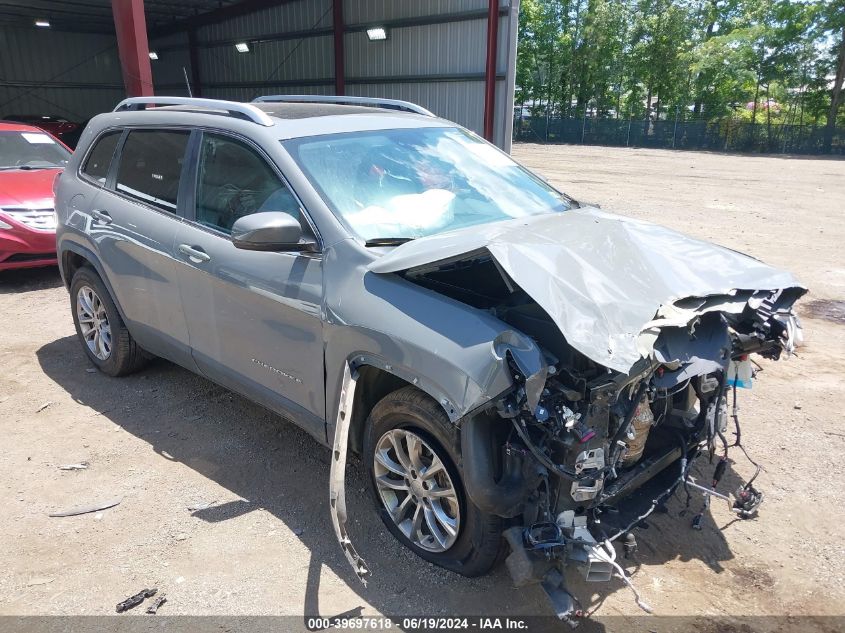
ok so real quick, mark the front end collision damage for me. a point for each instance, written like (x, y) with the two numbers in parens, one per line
(443, 347)
(620, 358)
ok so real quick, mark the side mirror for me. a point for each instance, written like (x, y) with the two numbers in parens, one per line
(269, 231)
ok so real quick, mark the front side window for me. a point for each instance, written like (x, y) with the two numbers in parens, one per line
(410, 183)
(99, 160)
(234, 181)
(31, 150)
(151, 165)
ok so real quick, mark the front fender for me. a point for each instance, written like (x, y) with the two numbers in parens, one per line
(460, 383)
(434, 375)
(450, 350)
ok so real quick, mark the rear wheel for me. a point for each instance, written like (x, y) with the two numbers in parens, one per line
(411, 450)
(100, 328)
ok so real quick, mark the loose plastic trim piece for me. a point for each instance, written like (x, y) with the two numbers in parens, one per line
(337, 474)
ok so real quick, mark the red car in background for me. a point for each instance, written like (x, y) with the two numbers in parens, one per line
(30, 159)
(66, 131)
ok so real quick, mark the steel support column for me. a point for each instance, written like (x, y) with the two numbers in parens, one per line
(337, 24)
(510, 76)
(131, 27)
(490, 70)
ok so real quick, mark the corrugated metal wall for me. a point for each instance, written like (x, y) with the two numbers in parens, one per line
(299, 65)
(299, 61)
(429, 49)
(440, 66)
(303, 15)
(74, 75)
(173, 64)
(434, 55)
(355, 12)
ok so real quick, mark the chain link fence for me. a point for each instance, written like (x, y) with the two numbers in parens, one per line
(725, 135)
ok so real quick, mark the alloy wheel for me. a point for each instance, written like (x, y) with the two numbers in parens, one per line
(416, 490)
(93, 322)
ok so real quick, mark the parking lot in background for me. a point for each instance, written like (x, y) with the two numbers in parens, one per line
(224, 507)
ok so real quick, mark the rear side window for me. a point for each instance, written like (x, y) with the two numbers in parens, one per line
(99, 160)
(151, 165)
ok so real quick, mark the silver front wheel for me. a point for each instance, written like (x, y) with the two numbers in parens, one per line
(93, 322)
(416, 490)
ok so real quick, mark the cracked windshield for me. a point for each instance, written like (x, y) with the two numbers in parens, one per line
(404, 184)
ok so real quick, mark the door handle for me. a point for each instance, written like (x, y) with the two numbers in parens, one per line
(194, 253)
(102, 216)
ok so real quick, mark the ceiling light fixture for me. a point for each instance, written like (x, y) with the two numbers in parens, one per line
(377, 34)
(242, 47)
(45, 24)
(153, 55)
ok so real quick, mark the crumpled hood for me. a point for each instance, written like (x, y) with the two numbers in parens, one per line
(602, 278)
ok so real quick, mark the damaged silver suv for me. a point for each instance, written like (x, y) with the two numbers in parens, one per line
(510, 364)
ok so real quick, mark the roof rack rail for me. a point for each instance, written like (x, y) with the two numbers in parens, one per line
(372, 102)
(232, 108)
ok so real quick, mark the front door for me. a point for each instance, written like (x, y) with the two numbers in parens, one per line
(254, 318)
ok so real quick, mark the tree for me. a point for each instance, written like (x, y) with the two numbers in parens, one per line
(774, 62)
(833, 21)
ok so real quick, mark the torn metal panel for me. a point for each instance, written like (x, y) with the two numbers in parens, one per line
(337, 474)
(602, 278)
(706, 351)
(528, 359)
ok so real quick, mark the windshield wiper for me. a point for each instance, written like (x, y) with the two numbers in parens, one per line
(387, 241)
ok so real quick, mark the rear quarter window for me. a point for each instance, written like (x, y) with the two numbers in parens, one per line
(97, 164)
(151, 166)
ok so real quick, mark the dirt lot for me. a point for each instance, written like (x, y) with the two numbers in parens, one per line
(165, 441)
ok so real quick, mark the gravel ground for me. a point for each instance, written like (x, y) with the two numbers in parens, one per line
(224, 507)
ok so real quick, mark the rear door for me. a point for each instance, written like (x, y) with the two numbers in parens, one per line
(134, 220)
(254, 318)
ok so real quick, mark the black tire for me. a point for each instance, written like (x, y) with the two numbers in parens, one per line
(479, 545)
(125, 356)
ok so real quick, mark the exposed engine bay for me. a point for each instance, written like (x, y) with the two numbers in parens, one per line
(622, 346)
(567, 444)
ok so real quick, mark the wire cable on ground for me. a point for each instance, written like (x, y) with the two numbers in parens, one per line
(606, 552)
